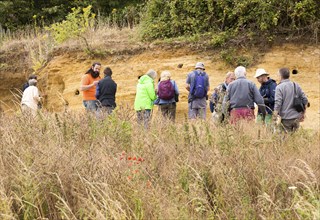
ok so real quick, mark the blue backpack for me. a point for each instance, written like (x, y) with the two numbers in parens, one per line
(199, 88)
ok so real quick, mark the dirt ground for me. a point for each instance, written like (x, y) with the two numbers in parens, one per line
(61, 77)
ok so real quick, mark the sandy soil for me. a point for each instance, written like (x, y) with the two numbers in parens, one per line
(61, 77)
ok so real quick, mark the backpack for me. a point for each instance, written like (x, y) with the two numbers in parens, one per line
(199, 88)
(166, 90)
(297, 101)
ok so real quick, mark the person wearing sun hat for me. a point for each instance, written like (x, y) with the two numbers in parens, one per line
(197, 84)
(267, 91)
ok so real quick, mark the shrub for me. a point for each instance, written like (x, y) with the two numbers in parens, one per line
(76, 24)
(164, 19)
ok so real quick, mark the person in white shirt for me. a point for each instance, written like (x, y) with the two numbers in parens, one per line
(30, 98)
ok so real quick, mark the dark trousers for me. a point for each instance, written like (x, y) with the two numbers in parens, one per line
(144, 117)
(169, 110)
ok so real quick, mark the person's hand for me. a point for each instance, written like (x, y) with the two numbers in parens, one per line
(275, 116)
(302, 116)
(95, 83)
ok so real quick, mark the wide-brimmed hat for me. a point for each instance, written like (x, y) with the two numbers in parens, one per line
(200, 65)
(260, 72)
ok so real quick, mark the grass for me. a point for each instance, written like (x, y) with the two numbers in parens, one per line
(72, 166)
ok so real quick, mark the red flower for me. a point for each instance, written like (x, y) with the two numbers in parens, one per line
(129, 177)
(134, 158)
(129, 158)
(123, 153)
(121, 158)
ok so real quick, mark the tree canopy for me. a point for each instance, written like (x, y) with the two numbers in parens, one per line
(17, 13)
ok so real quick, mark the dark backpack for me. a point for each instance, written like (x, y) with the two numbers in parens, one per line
(297, 101)
(199, 88)
(166, 90)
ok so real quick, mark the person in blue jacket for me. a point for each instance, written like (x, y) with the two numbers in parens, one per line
(267, 91)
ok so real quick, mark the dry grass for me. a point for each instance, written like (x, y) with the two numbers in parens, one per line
(72, 166)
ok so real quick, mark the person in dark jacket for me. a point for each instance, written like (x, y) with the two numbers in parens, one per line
(267, 91)
(106, 92)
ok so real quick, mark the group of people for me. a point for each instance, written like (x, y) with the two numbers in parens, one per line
(236, 98)
(233, 100)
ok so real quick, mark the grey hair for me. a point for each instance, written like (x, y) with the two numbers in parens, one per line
(165, 75)
(152, 73)
(284, 73)
(240, 71)
(229, 74)
(32, 82)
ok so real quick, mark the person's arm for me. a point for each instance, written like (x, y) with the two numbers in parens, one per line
(208, 83)
(277, 103)
(85, 84)
(302, 95)
(259, 100)
(188, 82)
(272, 92)
(226, 100)
(97, 91)
(36, 95)
(151, 92)
(176, 90)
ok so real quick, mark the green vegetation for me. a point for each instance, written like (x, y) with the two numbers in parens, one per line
(229, 19)
(19, 13)
(224, 24)
(115, 169)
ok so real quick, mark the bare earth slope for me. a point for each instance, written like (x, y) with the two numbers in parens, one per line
(61, 77)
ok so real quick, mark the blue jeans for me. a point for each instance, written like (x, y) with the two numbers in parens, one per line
(90, 105)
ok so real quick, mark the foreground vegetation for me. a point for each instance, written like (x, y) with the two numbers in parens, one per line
(72, 166)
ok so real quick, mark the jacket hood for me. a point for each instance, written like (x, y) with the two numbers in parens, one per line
(270, 81)
(145, 79)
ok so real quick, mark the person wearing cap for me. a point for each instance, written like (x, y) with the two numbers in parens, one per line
(30, 98)
(167, 106)
(241, 96)
(145, 97)
(26, 85)
(197, 98)
(284, 102)
(267, 91)
(217, 98)
(88, 86)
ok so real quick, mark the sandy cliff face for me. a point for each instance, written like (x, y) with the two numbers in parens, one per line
(61, 77)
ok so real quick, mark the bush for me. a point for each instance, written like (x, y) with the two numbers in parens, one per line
(76, 25)
(174, 18)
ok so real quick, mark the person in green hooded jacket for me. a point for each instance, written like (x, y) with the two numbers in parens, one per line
(145, 97)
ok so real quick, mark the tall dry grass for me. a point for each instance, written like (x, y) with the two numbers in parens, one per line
(73, 166)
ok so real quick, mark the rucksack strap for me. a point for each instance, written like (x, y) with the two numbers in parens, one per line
(294, 89)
